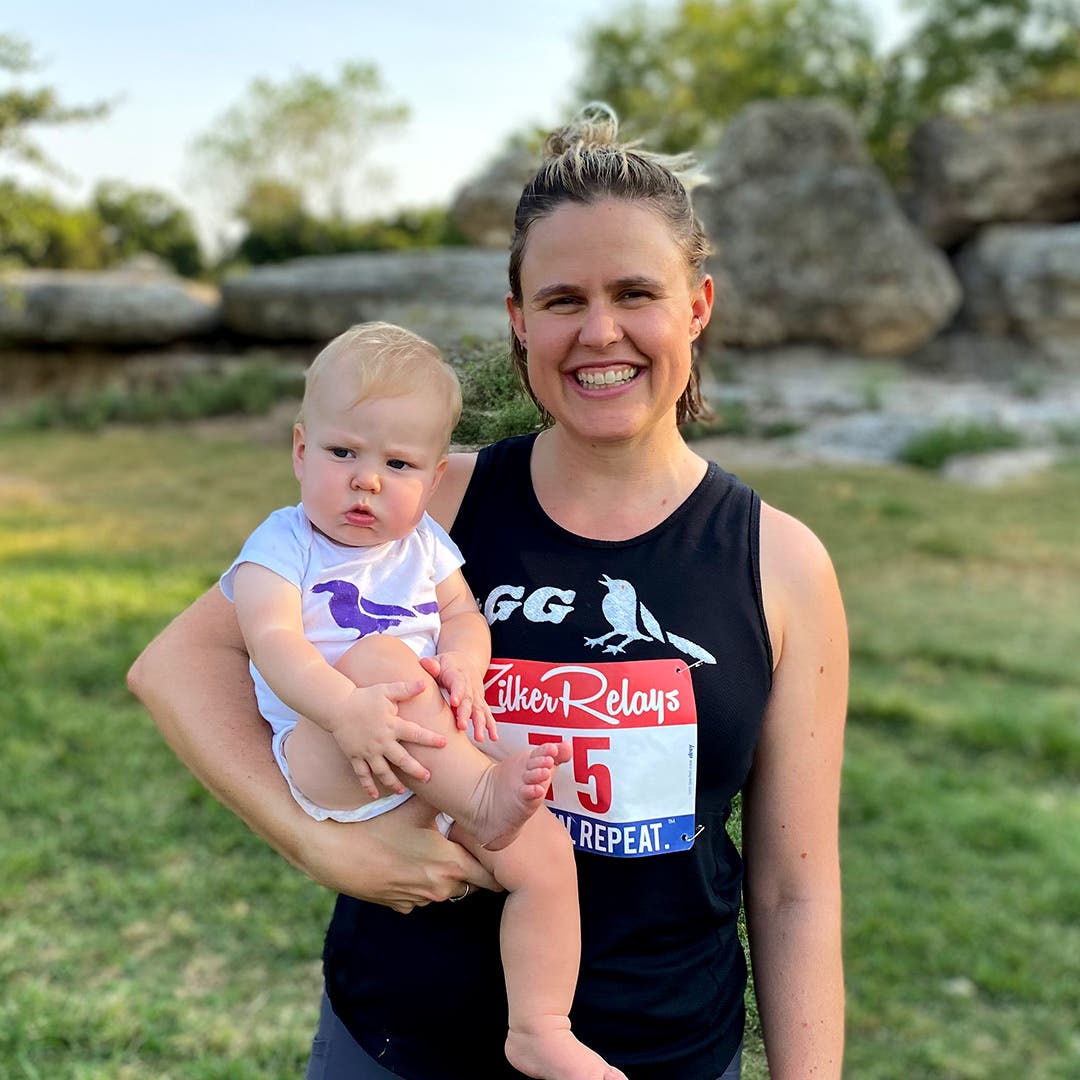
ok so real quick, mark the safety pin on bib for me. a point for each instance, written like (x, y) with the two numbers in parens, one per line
(689, 667)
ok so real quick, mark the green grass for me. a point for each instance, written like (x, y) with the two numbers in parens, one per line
(144, 933)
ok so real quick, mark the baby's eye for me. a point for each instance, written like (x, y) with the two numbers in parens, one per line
(397, 463)
(341, 452)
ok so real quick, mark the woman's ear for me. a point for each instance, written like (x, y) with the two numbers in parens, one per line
(517, 319)
(701, 305)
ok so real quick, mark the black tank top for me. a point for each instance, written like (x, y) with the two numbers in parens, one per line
(651, 657)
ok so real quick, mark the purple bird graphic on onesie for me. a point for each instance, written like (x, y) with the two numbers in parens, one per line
(349, 609)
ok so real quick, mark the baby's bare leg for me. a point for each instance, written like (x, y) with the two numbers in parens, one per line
(540, 938)
(320, 770)
(492, 801)
(491, 805)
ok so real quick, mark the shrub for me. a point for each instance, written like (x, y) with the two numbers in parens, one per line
(494, 404)
(251, 390)
(933, 448)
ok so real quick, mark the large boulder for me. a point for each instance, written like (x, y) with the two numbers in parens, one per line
(1018, 165)
(811, 243)
(444, 294)
(483, 208)
(119, 308)
(1025, 280)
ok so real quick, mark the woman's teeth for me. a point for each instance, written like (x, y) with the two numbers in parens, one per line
(605, 378)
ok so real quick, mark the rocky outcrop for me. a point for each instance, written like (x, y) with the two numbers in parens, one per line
(444, 294)
(811, 243)
(1020, 165)
(113, 308)
(1025, 280)
(483, 208)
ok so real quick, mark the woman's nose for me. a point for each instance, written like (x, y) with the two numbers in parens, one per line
(600, 327)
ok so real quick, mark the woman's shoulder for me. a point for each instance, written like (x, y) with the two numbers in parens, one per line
(789, 541)
(797, 575)
(504, 461)
(446, 501)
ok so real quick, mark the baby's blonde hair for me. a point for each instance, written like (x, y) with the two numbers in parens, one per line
(378, 359)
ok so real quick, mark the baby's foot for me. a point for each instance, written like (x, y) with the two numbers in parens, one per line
(556, 1054)
(512, 790)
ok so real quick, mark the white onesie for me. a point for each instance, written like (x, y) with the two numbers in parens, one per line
(348, 593)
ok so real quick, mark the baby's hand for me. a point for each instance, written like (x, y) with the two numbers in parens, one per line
(459, 674)
(370, 732)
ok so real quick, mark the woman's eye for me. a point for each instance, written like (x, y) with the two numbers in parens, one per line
(397, 463)
(563, 302)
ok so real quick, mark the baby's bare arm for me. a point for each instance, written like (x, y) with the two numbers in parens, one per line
(363, 720)
(463, 656)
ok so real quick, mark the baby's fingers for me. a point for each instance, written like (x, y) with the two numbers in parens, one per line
(463, 713)
(483, 724)
(431, 665)
(489, 722)
(367, 782)
(402, 691)
(405, 763)
(408, 731)
(380, 767)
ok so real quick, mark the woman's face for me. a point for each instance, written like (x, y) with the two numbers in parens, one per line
(608, 315)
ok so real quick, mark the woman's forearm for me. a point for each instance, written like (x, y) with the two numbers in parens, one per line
(799, 984)
(193, 678)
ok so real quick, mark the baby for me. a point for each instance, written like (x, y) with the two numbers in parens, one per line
(352, 604)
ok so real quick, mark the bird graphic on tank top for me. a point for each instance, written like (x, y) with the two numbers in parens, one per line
(628, 617)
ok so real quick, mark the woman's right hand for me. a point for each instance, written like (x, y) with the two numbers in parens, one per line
(389, 861)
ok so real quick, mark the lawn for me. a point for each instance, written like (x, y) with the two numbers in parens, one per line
(144, 933)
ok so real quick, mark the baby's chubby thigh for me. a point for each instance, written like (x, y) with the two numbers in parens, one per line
(316, 763)
(383, 659)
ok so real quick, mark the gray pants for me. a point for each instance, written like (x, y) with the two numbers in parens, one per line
(335, 1054)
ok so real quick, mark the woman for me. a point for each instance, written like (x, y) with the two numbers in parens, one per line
(686, 639)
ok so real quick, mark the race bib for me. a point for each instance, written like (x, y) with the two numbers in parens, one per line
(628, 789)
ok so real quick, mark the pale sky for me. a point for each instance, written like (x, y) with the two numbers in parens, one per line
(472, 71)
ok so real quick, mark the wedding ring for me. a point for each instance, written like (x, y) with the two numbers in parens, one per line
(468, 889)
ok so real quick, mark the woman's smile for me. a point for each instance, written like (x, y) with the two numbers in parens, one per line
(600, 378)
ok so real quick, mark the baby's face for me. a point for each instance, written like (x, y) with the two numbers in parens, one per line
(367, 471)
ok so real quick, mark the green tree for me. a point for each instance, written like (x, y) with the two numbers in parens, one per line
(965, 56)
(144, 220)
(35, 230)
(277, 227)
(676, 77)
(22, 109)
(309, 134)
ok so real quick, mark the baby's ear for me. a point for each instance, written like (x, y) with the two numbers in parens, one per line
(299, 448)
(439, 470)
